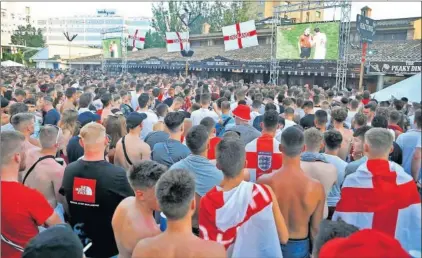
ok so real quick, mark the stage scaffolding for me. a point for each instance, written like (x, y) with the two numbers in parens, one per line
(281, 12)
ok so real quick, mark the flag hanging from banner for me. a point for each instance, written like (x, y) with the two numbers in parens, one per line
(136, 38)
(177, 41)
(240, 35)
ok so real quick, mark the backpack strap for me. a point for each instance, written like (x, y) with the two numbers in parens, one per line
(33, 166)
(125, 152)
(9, 242)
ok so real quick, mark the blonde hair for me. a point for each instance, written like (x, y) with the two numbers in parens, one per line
(69, 121)
(93, 133)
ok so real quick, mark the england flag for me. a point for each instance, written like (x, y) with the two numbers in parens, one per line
(240, 219)
(381, 196)
(240, 35)
(177, 41)
(263, 156)
(136, 38)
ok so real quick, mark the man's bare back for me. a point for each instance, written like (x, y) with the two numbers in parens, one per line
(137, 150)
(130, 225)
(346, 143)
(300, 198)
(325, 173)
(178, 244)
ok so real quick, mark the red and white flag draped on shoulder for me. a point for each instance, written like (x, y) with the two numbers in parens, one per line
(263, 156)
(136, 38)
(240, 35)
(381, 196)
(240, 219)
(177, 41)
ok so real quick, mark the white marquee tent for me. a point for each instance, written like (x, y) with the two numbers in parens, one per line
(10, 63)
(409, 88)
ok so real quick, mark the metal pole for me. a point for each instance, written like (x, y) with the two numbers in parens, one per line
(70, 64)
(362, 64)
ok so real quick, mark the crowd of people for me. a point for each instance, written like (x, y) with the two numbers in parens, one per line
(154, 165)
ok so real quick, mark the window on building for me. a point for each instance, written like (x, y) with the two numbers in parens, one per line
(293, 20)
(307, 16)
(318, 14)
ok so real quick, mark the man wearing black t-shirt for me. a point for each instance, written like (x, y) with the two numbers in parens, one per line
(308, 120)
(93, 188)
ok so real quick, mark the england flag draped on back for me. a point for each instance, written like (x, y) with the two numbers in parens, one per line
(136, 38)
(381, 196)
(177, 41)
(240, 35)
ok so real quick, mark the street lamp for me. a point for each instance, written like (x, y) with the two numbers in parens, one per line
(69, 39)
(185, 18)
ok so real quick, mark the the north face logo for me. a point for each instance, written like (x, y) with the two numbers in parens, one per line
(84, 190)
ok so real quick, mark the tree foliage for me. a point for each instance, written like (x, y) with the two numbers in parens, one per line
(166, 17)
(28, 36)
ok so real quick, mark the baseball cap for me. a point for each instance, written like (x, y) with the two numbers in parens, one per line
(243, 112)
(134, 119)
(4, 102)
(363, 243)
(56, 241)
(88, 117)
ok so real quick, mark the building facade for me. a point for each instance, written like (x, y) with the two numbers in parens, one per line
(13, 15)
(88, 28)
(265, 9)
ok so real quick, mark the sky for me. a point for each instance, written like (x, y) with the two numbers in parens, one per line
(380, 10)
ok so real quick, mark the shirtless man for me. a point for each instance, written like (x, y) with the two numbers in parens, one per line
(47, 175)
(300, 198)
(70, 101)
(175, 192)
(338, 117)
(315, 165)
(25, 123)
(134, 149)
(133, 220)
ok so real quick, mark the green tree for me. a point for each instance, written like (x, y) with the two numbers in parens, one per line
(153, 39)
(28, 36)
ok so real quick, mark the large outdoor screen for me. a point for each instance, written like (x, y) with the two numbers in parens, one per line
(112, 48)
(308, 41)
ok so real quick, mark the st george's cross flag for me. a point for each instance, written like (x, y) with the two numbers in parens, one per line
(381, 196)
(240, 35)
(231, 218)
(136, 38)
(177, 41)
(263, 156)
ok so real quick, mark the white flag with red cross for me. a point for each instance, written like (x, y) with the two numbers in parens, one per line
(381, 196)
(240, 35)
(136, 38)
(177, 41)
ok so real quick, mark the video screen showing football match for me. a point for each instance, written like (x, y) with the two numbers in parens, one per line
(308, 41)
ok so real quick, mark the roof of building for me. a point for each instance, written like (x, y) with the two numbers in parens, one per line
(408, 50)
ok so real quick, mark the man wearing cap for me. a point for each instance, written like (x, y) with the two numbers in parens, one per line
(248, 133)
(93, 188)
(131, 149)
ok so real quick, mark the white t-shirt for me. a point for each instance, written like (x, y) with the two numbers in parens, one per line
(254, 114)
(134, 99)
(320, 40)
(200, 114)
(148, 123)
(350, 116)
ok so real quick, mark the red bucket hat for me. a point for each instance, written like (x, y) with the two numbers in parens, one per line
(243, 112)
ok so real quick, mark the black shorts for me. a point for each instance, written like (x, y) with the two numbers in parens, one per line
(305, 52)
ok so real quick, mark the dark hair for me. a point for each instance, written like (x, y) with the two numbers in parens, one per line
(339, 114)
(205, 99)
(395, 116)
(398, 104)
(360, 119)
(354, 104)
(174, 120)
(404, 99)
(418, 118)
(366, 94)
(332, 229)
(209, 123)
(270, 106)
(280, 98)
(106, 99)
(85, 99)
(360, 132)
(69, 92)
(241, 102)
(143, 100)
(156, 92)
(30, 101)
(308, 104)
(197, 139)
(270, 119)
(281, 121)
(145, 174)
(20, 92)
(379, 122)
(321, 117)
(289, 110)
(292, 141)
(316, 29)
(161, 109)
(139, 87)
(333, 139)
(316, 99)
(231, 155)
(17, 108)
